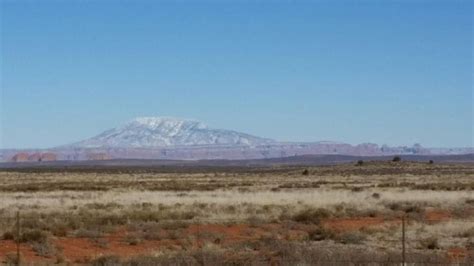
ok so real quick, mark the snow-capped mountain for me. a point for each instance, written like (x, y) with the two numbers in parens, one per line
(151, 132)
(167, 138)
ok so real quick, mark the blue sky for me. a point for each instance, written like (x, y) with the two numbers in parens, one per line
(395, 73)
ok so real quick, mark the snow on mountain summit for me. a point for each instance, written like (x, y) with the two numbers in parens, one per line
(170, 122)
(149, 132)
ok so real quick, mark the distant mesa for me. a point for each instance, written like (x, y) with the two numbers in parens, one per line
(20, 157)
(35, 157)
(49, 156)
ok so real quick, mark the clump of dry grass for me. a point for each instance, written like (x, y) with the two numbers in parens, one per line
(320, 234)
(429, 243)
(87, 233)
(40, 242)
(33, 235)
(107, 260)
(354, 238)
(11, 259)
(283, 253)
(310, 215)
(412, 210)
(44, 248)
(133, 240)
(469, 233)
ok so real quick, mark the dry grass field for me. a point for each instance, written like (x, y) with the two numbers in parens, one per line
(328, 215)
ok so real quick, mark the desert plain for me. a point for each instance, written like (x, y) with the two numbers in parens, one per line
(359, 213)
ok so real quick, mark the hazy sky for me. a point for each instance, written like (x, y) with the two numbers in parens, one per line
(392, 73)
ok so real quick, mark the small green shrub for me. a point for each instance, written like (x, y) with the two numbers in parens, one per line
(469, 233)
(8, 236)
(33, 236)
(407, 207)
(396, 159)
(430, 243)
(376, 195)
(357, 189)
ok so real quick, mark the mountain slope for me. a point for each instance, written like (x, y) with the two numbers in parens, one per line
(150, 132)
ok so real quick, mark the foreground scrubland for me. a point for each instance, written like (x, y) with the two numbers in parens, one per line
(327, 215)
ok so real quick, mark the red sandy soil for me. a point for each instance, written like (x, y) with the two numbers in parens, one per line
(82, 250)
(433, 216)
(232, 231)
(27, 254)
(457, 254)
(354, 224)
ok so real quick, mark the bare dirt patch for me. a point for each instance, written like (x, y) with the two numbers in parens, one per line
(434, 216)
(354, 224)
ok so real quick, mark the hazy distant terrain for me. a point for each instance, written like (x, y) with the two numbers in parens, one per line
(304, 160)
(182, 139)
